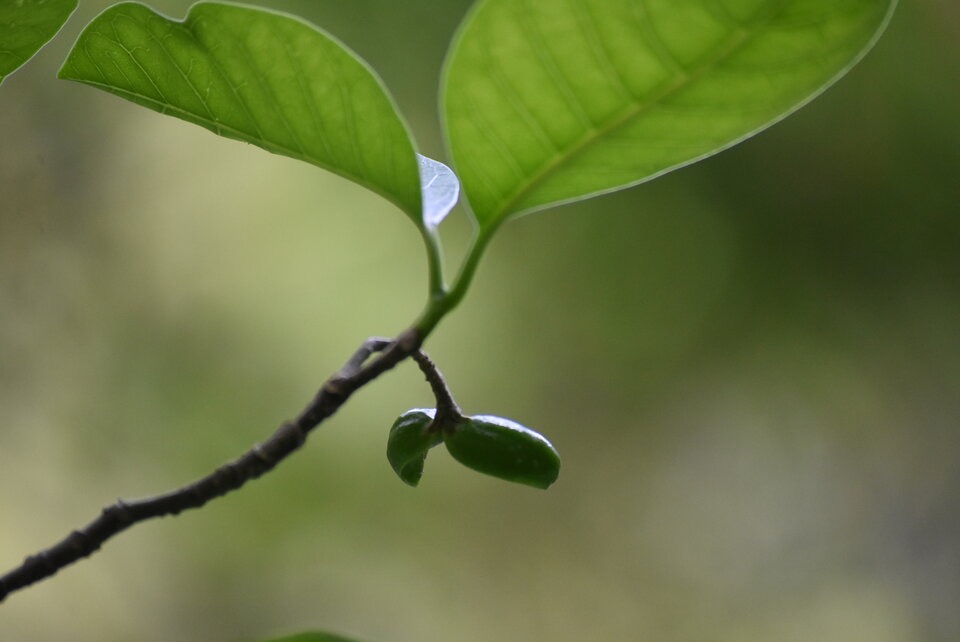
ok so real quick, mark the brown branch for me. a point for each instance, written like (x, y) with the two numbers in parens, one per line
(447, 408)
(260, 459)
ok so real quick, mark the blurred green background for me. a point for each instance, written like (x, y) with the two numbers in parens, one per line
(750, 366)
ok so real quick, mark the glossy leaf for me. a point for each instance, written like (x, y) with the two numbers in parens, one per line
(408, 443)
(549, 101)
(440, 190)
(505, 449)
(312, 637)
(27, 25)
(257, 76)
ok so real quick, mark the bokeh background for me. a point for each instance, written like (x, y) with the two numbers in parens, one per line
(750, 366)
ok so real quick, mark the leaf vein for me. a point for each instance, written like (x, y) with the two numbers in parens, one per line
(650, 36)
(554, 72)
(513, 96)
(351, 126)
(183, 74)
(591, 33)
(304, 91)
(267, 93)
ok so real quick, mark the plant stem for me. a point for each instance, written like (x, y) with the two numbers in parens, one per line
(257, 461)
(434, 261)
(447, 408)
(260, 459)
(441, 303)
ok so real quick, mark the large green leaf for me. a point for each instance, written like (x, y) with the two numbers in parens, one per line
(257, 76)
(27, 25)
(548, 101)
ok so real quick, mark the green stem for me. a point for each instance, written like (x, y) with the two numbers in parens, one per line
(434, 262)
(443, 301)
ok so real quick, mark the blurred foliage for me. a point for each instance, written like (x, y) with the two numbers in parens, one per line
(750, 367)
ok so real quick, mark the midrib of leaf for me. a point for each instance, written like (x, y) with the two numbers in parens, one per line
(737, 41)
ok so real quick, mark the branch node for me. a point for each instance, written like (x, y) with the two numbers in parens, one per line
(81, 543)
(334, 387)
(118, 512)
(410, 340)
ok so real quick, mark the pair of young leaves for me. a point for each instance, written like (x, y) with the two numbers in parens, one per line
(486, 443)
(543, 101)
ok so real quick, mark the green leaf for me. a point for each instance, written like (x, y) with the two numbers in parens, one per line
(440, 188)
(408, 443)
(550, 101)
(257, 76)
(27, 25)
(312, 637)
(503, 448)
